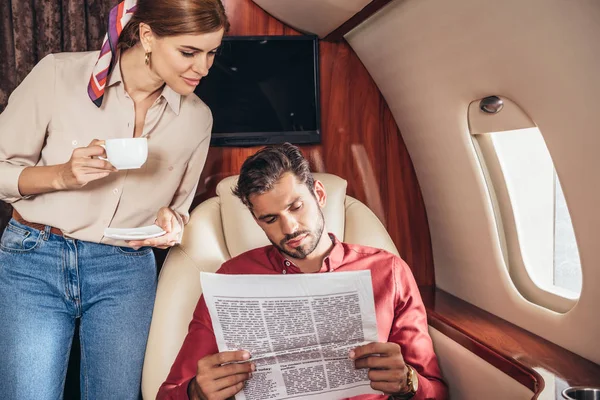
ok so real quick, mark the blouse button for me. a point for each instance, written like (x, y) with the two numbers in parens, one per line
(284, 272)
(115, 191)
(74, 142)
(287, 263)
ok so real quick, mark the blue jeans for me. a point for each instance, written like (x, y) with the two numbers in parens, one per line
(46, 282)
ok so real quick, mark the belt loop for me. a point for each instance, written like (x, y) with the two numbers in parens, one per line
(46, 232)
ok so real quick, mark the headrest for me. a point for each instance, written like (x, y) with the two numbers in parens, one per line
(242, 233)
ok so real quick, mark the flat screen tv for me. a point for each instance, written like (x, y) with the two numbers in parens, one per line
(263, 90)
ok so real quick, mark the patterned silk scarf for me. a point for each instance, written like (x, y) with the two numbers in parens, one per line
(117, 19)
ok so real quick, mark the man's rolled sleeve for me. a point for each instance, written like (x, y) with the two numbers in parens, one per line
(430, 389)
(23, 126)
(174, 392)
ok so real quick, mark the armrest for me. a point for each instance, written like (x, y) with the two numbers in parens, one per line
(513, 350)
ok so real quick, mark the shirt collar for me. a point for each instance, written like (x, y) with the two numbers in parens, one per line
(172, 97)
(332, 262)
(115, 75)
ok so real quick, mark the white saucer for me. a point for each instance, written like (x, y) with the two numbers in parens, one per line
(141, 233)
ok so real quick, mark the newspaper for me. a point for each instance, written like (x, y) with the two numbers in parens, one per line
(298, 329)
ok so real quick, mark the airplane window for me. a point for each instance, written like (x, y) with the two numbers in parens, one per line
(532, 209)
(567, 267)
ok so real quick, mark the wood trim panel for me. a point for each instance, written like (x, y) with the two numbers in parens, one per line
(357, 19)
(506, 346)
(360, 143)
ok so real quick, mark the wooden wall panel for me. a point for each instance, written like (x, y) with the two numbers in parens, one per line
(360, 142)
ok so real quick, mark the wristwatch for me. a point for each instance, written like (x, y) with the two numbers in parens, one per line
(412, 384)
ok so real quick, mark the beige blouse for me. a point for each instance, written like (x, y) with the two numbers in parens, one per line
(50, 114)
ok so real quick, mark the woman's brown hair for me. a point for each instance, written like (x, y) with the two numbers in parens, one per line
(174, 17)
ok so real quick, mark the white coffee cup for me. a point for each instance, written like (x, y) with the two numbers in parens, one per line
(128, 153)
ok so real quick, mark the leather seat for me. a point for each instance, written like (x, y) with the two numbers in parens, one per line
(221, 228)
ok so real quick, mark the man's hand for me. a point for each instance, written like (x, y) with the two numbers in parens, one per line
(387, 370)
(216, 381)
(171, 223)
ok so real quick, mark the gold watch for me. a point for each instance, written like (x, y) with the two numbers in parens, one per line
(412, 384)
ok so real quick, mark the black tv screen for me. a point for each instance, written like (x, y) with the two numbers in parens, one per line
(264, 89)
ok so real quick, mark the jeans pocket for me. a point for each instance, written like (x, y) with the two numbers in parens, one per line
(19, 240)
(128, 251)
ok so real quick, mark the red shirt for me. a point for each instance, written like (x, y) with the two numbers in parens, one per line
(401, 316)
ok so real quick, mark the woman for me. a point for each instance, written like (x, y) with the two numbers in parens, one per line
(55, 263)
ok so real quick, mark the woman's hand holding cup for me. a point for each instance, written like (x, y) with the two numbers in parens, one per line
(85, 166)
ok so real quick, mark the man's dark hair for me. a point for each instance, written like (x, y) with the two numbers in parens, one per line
(262, 170)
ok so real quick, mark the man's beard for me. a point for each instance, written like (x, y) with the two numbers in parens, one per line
(305, 249)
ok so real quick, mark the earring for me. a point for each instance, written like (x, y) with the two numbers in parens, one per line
(147, 58)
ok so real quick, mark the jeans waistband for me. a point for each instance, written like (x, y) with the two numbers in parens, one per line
(40, 227)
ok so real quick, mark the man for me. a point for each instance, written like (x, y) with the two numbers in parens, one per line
(277, 187)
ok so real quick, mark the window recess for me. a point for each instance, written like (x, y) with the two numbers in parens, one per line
(534, 227)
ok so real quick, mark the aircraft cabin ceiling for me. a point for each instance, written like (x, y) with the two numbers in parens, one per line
(324, 16)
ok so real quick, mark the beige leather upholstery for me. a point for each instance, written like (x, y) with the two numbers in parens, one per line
(221, 228)
(471, 377)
